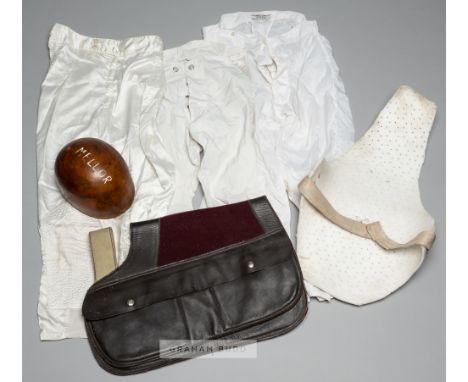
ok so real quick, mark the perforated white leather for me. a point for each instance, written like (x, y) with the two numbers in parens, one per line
(377, 180)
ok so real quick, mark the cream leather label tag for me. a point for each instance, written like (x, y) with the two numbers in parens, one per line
(103, 251)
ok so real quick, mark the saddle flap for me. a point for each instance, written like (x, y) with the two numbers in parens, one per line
(229, 272)
(196, 274)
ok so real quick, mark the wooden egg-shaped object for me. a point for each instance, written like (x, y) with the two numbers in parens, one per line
(94, 178)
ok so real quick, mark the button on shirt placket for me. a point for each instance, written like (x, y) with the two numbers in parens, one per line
(189, 69)
(180, 70)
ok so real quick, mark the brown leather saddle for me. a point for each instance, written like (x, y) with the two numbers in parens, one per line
(227, 272)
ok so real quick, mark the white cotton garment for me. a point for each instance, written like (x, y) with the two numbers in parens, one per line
(110, 90)
(376, 181)
(302, 113)
(206, 120)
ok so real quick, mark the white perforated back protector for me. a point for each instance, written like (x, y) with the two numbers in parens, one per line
(377, 180)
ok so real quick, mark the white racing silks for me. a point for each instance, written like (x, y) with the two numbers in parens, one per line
(246, 112)
(302, 113)
(104, 89)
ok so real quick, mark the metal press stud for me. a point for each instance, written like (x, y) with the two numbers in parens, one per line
(175, 69)
(130, 302)
(250, 264)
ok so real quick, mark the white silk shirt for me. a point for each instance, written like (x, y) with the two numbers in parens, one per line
(302, 113)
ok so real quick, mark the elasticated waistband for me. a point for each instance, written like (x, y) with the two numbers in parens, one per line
(61, 35)
(193, 49)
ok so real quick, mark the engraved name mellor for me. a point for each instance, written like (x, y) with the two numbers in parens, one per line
(95, 165)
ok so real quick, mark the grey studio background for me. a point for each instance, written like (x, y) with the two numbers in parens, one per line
(378, 45)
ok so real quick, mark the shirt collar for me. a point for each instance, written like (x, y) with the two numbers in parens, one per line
(267, 24)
